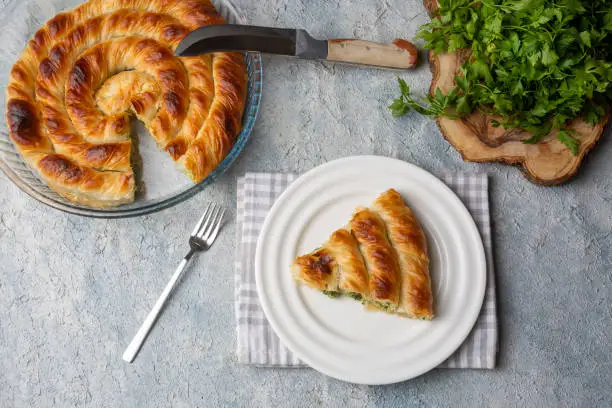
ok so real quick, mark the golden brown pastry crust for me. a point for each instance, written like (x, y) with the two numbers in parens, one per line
(216, 137)
(335, 267)
(380, 259)
(408, 240)
(83, 184)
(353, 276)
(317, 269)
(192, 106)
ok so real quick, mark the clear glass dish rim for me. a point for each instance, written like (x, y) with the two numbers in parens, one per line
(249, 117)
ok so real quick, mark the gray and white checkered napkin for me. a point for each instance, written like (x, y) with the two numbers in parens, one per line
(257, 343)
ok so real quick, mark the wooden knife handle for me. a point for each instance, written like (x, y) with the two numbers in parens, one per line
(400, 54)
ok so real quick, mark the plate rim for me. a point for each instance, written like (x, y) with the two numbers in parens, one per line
(479, 291)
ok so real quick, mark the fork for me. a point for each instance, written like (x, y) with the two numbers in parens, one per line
(201, 239)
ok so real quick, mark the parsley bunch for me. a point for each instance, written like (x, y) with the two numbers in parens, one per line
(535, 63)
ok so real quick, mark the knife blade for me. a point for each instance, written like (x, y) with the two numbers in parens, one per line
(400, 54)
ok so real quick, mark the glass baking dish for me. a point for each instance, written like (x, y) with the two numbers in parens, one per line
(161, 184)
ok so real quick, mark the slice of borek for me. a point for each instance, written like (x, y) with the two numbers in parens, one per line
(380, 259)
(336, 268)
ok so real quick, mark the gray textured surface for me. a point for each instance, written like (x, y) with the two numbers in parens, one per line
(73, 290)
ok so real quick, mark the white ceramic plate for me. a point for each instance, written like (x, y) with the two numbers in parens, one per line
(336, 336)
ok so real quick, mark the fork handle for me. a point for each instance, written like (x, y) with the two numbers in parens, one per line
(132, 350)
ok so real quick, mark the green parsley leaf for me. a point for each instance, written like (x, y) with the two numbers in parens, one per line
(585, 37)
(549, 56)
(398, 107)
(403, 87)
(568, 140)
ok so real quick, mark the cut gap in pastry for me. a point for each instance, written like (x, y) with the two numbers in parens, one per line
(136, 160)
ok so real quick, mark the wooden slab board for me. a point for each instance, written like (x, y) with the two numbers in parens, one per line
(547, 163)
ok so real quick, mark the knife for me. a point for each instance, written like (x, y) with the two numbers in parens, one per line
(400, 54)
